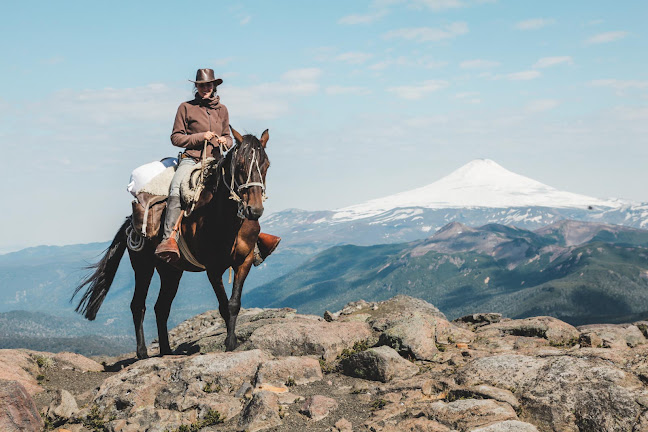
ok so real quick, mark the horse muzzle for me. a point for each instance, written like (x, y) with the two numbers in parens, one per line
(250, 212)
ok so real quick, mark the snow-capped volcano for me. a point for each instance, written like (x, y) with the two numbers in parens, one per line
(480, 183)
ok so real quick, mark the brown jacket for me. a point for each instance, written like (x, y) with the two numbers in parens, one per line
(196, 117)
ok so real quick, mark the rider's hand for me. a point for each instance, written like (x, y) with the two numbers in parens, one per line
(209, 135)
(222, 140)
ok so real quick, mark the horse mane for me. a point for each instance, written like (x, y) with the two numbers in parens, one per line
(250, 143)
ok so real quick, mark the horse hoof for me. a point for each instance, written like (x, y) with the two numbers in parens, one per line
(230, 347)
(142, 356)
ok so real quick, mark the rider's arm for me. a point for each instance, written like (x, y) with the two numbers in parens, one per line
(179, 136)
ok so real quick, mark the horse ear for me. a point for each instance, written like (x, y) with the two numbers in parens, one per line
(265, 136)
(237, 136)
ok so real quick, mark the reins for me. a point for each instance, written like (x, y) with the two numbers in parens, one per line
(232, 186)
(234, 192)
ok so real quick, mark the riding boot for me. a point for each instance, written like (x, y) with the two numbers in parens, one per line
(168, 250)
(266, 244)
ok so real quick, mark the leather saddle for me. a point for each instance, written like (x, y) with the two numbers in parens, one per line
(150, 202)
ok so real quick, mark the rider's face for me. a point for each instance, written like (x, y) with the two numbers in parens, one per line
(205, 89)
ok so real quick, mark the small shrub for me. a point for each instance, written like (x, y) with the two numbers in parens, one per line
(44, 362)
(378, 404)
(211, 418)
(359, 346)
(212, 388)
(327, 368)
(94, 421)
(40, 377)
(290, 382)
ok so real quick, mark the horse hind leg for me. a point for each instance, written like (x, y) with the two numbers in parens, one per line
(169, 281)
(144, 267)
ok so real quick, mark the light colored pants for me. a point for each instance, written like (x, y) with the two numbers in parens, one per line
(185, 166)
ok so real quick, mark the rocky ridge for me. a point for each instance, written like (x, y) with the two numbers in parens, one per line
(396, 365)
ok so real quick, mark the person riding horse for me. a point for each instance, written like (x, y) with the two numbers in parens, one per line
(203, 119)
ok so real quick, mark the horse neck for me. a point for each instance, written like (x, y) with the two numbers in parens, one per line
(220, 204)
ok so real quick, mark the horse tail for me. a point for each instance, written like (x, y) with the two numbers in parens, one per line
(98, 283)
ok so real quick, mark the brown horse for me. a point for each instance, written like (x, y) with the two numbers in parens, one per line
(221, 232)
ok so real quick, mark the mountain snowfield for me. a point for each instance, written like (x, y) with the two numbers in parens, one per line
(480, 183)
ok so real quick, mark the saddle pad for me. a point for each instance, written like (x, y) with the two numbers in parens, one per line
(145, 173)
(159, 185)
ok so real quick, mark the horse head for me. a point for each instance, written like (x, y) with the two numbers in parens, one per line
(248, 165)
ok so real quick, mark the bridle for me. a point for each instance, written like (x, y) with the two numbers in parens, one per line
(235, 188)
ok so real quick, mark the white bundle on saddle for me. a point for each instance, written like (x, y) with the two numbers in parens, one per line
(153, 177)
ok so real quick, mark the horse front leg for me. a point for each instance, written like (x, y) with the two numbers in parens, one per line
(216, 279)
(169, 281)
(234, 304)
(144, 266)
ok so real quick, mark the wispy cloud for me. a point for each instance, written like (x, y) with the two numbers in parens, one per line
(595, 22)
(418, 91)
(546, 62)
(347, 90)
(222, 61)
(245, 20)
(534, 23)
(478, 64)
(469, 97)
(620, 84)
(429, 34)
(54, 60)
(521, 76)
(363, 18)
(607, 37)
(403, 61)
(439, 4)
(354, 57)
(541, 105)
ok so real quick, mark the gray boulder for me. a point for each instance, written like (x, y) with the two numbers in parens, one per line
(379, 364)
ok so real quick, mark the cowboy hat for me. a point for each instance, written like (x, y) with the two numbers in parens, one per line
(205, 76)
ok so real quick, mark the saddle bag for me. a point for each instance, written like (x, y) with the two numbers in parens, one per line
(147, 214)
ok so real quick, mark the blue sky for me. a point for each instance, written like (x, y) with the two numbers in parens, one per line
(362, 98)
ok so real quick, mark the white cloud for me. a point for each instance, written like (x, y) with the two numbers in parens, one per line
(521, 76)
(222, 62)
(301, 75)
(363, 18)
(620, 84)
(347, 90)
(429, 34)
(271, 100)
(439, 4)
(552, 61)
(632, 113)
(417, 92)
(541, 105)
(245, 20)
(403, 61)
(54, 60)
(469, 97)
(424, 121)
(595, 22)
(354, 57)
(478, 64)
(534, 23)
(607, 37)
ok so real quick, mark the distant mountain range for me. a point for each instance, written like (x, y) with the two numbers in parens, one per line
(579, 272)
(481, 193)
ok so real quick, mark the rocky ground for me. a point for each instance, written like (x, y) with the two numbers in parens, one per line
(397, 365)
